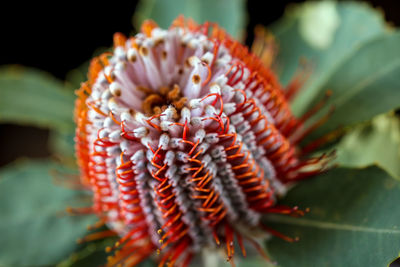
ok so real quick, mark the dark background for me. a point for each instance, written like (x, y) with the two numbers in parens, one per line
(59, 37)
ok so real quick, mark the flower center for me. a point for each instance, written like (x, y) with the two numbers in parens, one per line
(157, 102)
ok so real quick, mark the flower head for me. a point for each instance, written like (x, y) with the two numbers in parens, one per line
(185, 138)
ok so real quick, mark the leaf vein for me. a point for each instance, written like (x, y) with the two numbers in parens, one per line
(330, 225)
(366, 82)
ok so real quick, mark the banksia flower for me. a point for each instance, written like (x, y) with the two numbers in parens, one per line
(186, 139)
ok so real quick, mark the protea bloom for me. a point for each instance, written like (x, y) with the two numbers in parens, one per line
(185, 138)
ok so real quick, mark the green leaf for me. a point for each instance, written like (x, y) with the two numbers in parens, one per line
(35, 229)
(230, 14)
(354, 221)
(365, 85)
(327, 34)
(29, 96)
(377, 142)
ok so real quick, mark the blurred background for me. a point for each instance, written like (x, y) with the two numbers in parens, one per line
(59, 37)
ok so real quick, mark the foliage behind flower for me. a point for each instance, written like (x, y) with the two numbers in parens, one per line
(351, 209)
